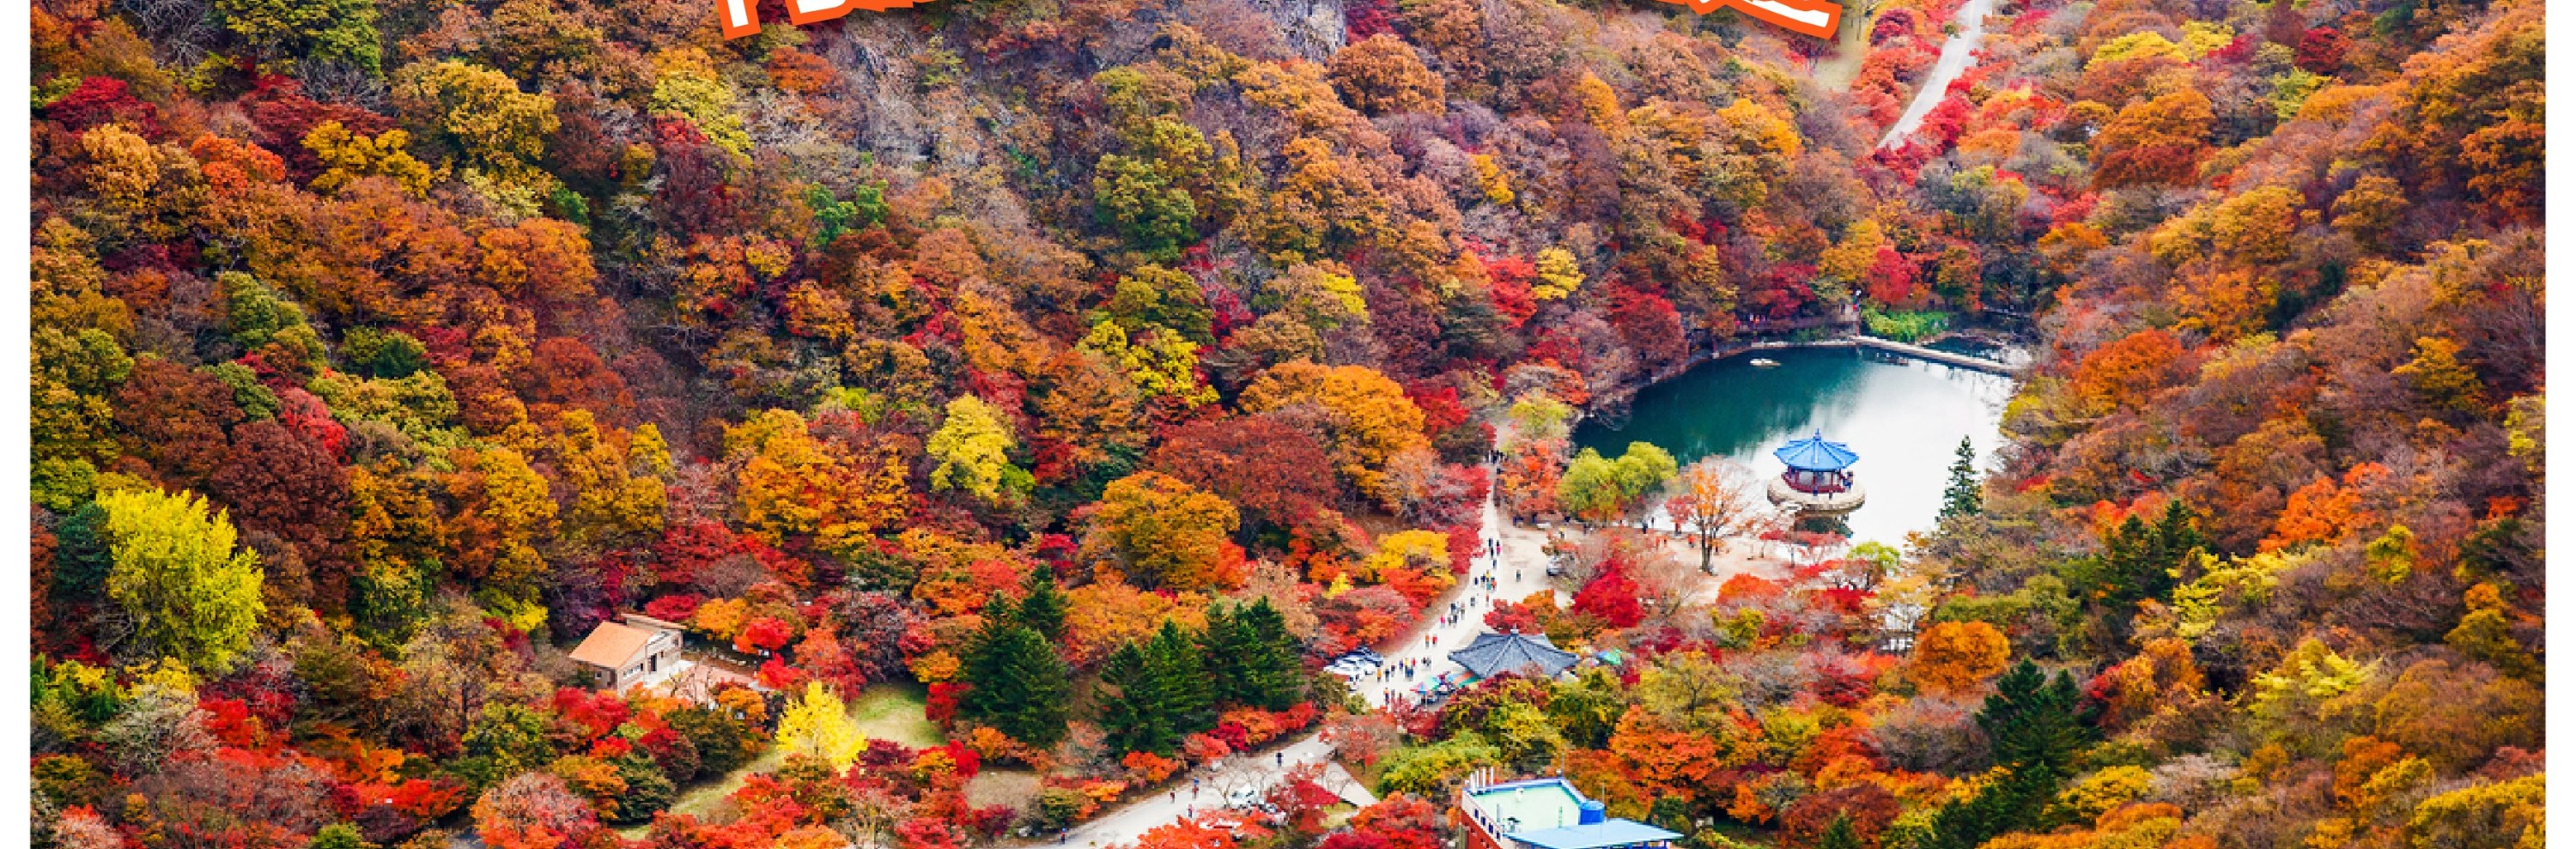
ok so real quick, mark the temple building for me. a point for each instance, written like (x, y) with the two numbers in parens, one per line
(1526, 654)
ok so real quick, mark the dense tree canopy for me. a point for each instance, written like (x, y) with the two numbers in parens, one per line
(1084, 377)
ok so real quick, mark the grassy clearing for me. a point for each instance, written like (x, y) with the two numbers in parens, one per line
(894, 712)
(1014, 787)
(897, 712)
(708, 799)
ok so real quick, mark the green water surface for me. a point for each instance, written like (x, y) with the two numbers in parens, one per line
(1904, 417)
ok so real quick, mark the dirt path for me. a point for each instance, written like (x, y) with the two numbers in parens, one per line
(1851, 47)
(1956, 55)
(1521, 570)
(1524, 571)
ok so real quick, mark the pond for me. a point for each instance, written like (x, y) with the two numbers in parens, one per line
(1904, 417)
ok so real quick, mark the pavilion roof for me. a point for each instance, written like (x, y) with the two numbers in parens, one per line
(1816, 454)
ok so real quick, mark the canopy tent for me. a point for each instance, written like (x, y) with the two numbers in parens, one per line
(1816, 454)
(1493, 654)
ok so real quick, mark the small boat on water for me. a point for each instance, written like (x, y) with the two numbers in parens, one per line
(1765, 362)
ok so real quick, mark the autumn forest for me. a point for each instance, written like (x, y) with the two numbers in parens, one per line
(551, 424)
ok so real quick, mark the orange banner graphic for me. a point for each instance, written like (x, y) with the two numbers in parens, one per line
(741, 18)
(1804, 17)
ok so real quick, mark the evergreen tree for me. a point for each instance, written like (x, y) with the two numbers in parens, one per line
(2032, 720)
(1043, 609)
(648, 791)
(716, 735)
(2033, 726)
(1965, 496)
(1217, 655)
(1182, 679)
(81, 555)
(999, 608)
(1136, 714)
(2138, 561)
(1274, 673)
(1672, 813)
(1252, 657)
(1839, 835)
(1020, 687)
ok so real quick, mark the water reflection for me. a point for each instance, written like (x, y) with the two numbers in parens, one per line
(1905, 417)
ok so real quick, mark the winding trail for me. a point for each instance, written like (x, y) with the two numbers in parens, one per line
(1521, 570)
(1957, 54)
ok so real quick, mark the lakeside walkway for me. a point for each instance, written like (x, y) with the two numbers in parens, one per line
(1918, 352)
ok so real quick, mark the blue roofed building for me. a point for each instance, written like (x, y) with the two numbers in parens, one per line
(1819, 478)
(1546, 813)
(1607, 833)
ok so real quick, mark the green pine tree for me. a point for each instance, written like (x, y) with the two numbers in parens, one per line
(1839, 835)
(648, 791)
(81, 555)
(2139, 561)
(1043, 609)
(2032, 719)
(1183, 678)
(1966, 496)
(1274, 677)
(998, 608)
(1020, 684)
(1217, 655)
(1252, 657)
(2032, 723)
(1137, 712)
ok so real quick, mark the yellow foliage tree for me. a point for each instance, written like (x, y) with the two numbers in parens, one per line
(1558, 276)
(818, 723)
(493, 125)
(347, 156)
(973, 449)
(1161, 363)
(615, 476)
(1166, 533)
(1492, 180)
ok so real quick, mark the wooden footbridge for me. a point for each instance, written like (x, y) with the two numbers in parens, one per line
(1919, 352)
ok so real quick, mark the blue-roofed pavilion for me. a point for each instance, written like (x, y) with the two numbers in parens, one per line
(1817, 454)
(1817, 465)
